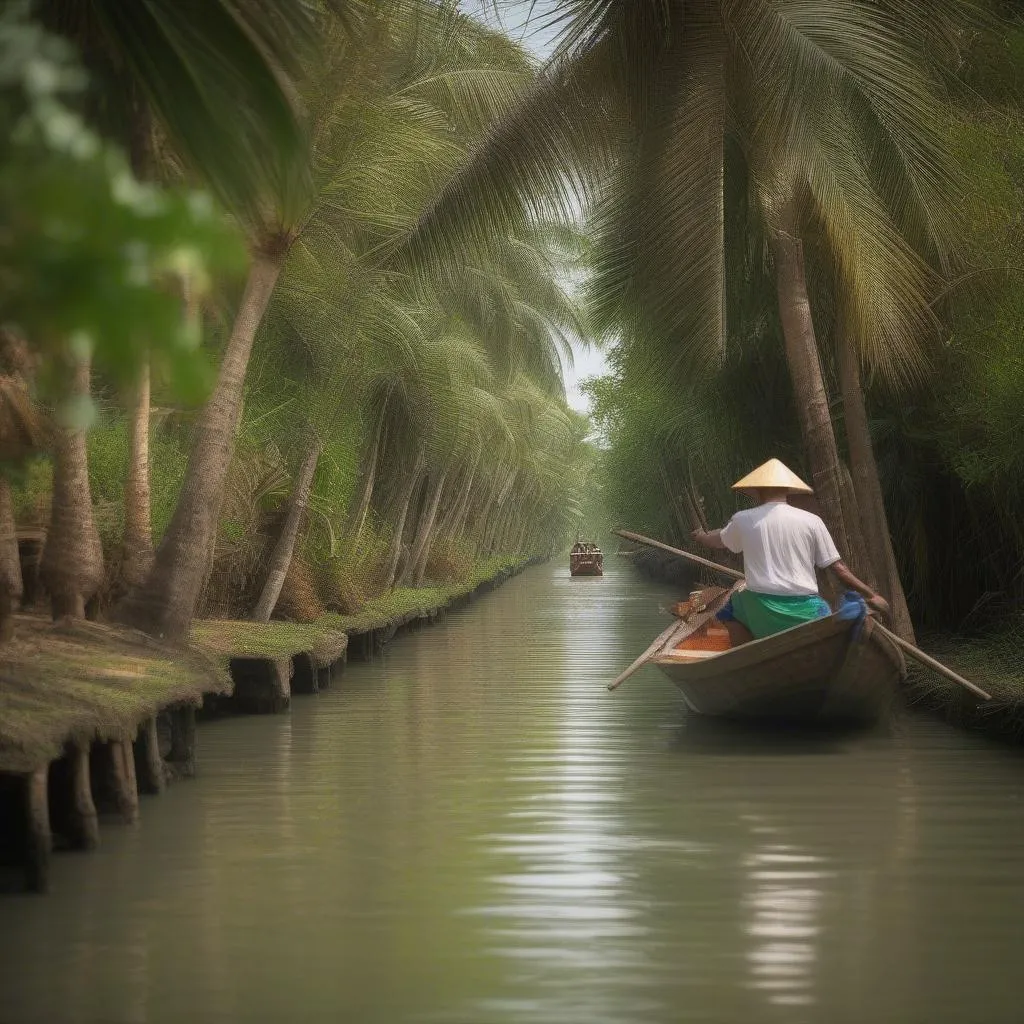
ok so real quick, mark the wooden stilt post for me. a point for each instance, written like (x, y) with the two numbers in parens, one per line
(183, 740)
(85, 823)
(40, 839)
(151, 765)
(122, 780)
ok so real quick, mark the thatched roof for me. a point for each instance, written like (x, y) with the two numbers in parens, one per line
(89, 682)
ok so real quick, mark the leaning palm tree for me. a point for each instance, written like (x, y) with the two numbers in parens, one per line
(423, 357)
(162, 68)
(379, 144)
(689, 91)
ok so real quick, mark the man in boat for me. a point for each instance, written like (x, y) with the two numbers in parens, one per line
(781, 547)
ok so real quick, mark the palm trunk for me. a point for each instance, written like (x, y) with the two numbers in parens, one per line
(869, 489)
(451, 513)
(808, 382)
(485, 521)
(504, 535)
(357, 517)
(421, 548)
(521, 542)
(461, 520)
(702, 59)
(165, 603)
(860, 556)
(72, 562)
(523, 528)
(404, 501)
(137, 542)
(284, 549)
(137, 539)
(497, 519)
(10, 564)
(462, 508)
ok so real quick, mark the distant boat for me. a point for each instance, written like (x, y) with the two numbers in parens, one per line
(823, 671)
(586, 560)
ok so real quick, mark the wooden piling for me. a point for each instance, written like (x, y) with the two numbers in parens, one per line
(305, 674)
(84, 824)
(39, 840)
(262, 685)
(122, 780)
(182, 755)
(150, 765)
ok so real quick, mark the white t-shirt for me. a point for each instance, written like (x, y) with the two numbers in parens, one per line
(781, 547)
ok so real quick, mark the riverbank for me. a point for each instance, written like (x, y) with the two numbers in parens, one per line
(92, 715)
(994, 663)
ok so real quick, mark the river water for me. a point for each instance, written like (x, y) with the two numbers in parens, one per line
(472, 830)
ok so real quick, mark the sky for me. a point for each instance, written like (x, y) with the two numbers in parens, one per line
(531, 31)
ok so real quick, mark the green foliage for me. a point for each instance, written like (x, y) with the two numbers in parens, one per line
(458, 359)
(89, 257)
(669, 439)
(284, 639)
(951, 451)
(32, 486)
(109, 448)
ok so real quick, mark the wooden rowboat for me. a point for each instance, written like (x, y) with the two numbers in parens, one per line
(815, 672)
(586, 563)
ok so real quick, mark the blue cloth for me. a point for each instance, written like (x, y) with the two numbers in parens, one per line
(853, 607)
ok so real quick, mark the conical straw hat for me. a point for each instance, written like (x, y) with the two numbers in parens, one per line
(772, 474)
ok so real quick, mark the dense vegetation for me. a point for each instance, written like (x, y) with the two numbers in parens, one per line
(285, 368)
(377, 417)
(920, 349)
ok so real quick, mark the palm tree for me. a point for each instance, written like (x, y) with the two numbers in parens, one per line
(281, 556)
(151, 66)
(689, 90)
(423, 361)
(21, 435)
(382, 116)
(72, 561)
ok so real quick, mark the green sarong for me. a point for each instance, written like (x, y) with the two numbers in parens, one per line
(765, 614)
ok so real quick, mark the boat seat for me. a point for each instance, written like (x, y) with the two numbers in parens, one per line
(678, 654)
(712, 638)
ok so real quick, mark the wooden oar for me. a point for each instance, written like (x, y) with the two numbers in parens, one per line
(675, 633)
(915, 652)
(930, 662)
(661, 641)
(626, 535)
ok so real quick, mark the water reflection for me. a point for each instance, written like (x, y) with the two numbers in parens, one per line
(565, 918)
(783, 905)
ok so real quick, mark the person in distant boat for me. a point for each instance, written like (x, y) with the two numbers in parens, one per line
(781, 547)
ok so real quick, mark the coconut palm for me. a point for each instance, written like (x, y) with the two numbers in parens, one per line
(72, 290)
(162, 66)
(72, 561)
(380, 140)
(422, 359)
(826, 112)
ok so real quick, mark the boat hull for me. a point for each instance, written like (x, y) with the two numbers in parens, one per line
(816, 672)
(586, 565)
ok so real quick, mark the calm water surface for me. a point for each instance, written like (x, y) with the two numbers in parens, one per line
(471, 830)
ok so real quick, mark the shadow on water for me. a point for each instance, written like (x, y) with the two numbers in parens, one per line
(697, 734)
